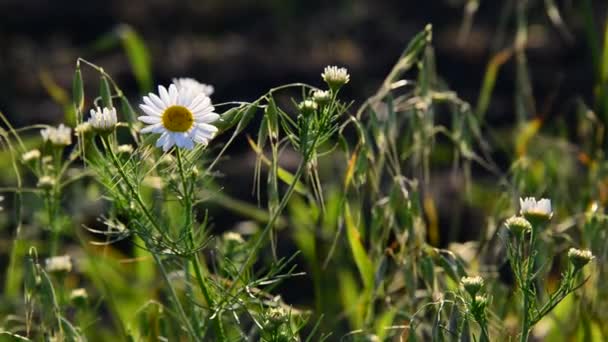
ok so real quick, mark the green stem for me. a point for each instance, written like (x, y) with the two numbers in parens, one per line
(178, 304)
(140, 202)
(194, 258)
(526, 288)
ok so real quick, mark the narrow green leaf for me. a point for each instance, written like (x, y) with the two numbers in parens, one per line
(127, 110)
(364, 264)
(78, 90)
(138, 55)
(105, 92)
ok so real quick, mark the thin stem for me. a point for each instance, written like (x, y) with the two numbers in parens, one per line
(174, 296)
(194, 258)
(140, 202)
(526, 288)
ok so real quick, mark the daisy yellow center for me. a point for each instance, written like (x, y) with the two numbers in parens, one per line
(177, 119)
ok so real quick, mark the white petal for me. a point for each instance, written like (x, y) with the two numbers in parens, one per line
(200, 103)
(210, 129)
(158, 101)
(206, 110)
(150, 119)
(164, 95)
(150, 110)
(207, 118)
(155, 128)
(173, 93)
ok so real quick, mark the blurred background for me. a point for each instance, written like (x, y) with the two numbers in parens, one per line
(243, 48)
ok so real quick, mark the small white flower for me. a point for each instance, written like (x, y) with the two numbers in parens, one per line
(125, 148)
(1, 200)
(335, 77)
(59, 136)
(191, 85)
(321, 97)
(307, 106)
(180, 117)
(79, 294)
(580, 257)
(31, 155)
(104, 120)
(233, 237)
(46, 182)
(83, 128)
(61, 263)
(531, 208)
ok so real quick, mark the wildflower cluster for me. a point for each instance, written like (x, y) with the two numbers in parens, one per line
(523, 254)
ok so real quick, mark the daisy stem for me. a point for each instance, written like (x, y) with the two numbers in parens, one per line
(140, 202)
(194, 258)
(526, 288)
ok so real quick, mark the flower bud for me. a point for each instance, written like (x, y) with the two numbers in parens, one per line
(518, 225)
(472, 284)
(30, 155)
(79, 296)
(579, 258)
(46, 182)
(321, 97)
(307, 107)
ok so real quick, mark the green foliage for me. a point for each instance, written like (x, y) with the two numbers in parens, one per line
(362, 205)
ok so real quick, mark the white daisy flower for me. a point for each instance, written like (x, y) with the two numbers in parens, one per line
(532, 209)
(335, 77)
(103, 120)
(181, 117)
(59, 136)
(192, 85)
